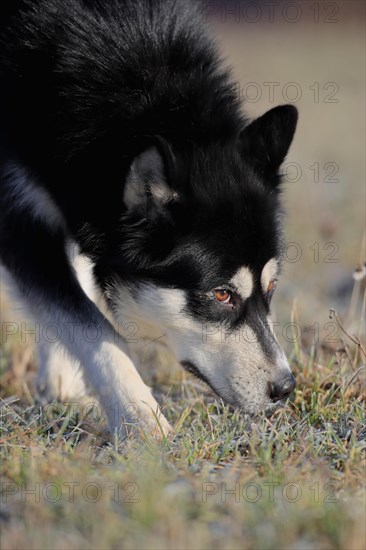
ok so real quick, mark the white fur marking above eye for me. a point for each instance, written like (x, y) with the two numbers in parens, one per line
(243, 282)
(269, 273)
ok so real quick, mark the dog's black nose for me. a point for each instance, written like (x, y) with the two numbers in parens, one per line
(282, 388)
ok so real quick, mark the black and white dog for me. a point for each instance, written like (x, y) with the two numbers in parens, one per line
(121, 138)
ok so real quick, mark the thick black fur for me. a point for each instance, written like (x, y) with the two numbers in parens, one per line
(86, 86)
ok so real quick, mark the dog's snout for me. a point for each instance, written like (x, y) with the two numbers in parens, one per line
(282, 388)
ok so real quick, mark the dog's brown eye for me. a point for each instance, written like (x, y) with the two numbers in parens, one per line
(222, 295)
(271, 288)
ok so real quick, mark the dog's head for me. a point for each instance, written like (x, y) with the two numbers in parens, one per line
(199, 255)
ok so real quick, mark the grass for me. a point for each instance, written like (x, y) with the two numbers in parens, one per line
(295, 480)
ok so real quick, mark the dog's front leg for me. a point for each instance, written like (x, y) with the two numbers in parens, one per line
(123, 395)
(107, 369)
(32, 247)
(87, 336)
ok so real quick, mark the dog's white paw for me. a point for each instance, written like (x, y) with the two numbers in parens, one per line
(143, 428)
(137, 418)
(58, 377)
(126, 400)
(158, 426)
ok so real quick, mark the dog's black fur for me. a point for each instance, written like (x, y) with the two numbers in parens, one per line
(88, 85)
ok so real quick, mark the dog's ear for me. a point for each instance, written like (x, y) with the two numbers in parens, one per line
(148, 187)
(266, 141)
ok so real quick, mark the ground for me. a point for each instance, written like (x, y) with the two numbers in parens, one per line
(293, 480)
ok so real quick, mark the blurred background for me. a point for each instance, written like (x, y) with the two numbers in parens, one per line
(311, 54)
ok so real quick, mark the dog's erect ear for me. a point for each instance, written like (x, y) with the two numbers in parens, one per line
(266, 141)
(148, 184)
